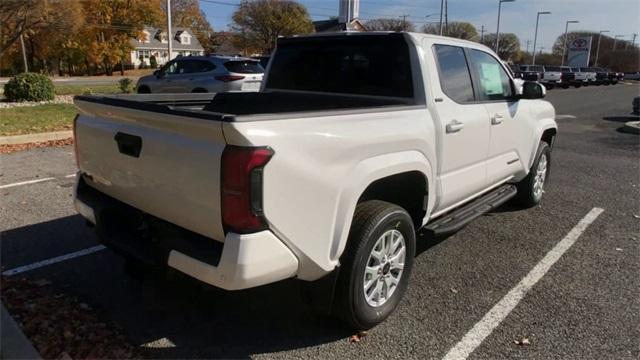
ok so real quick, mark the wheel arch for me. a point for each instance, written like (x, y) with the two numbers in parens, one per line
(367, 179)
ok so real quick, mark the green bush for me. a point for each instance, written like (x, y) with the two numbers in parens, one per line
(29, 87)
(126, 85)
(153, 62)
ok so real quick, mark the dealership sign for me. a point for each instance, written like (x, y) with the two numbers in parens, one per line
(579, 52)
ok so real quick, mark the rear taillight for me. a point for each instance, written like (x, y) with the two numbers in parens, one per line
(229, 78)
(75, 140)
(242, 171)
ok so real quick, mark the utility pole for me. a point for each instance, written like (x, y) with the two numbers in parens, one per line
(169, 32)
(482, 31)
(535, 37)
(595, 63)
(404, 21)
(24, 54)
(441, 15)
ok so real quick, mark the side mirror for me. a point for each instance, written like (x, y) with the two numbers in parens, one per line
(532, 90)
(157, 74)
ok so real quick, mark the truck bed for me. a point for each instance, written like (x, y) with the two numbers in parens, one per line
(234, 105)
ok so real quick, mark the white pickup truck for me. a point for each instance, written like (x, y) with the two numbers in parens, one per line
(354, 142)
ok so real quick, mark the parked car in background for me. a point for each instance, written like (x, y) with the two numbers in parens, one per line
(587, 77)
(551, 76)
(602, 77)
(531, 72)
(613, 76)
(325, 175)
(632, 75)
(204, 74)
(569, 78)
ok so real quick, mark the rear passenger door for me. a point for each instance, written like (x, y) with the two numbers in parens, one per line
(510, 134)
(464, 129)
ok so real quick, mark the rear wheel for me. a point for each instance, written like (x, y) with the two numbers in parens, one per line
(531, 188)
(144, 90)
(376, 265)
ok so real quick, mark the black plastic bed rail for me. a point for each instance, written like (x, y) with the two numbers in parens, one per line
(169, 106)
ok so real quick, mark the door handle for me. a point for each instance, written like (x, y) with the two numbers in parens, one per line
(454, 126)
(497, 119)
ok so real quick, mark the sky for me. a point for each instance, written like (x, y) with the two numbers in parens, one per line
(620, 17)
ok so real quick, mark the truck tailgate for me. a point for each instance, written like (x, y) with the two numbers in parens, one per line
(165, 164)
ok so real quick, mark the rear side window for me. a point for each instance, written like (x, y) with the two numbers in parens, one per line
(453, 71)
(244, 67)
(358, 64)
(495, 84)
(553, 68)
(197, 66)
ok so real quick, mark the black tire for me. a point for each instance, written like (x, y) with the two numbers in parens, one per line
(144, 90)
(577, 86)
(371, 220)
(199, 90)
(526, 195)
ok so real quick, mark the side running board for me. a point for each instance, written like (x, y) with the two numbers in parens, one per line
(458, 218)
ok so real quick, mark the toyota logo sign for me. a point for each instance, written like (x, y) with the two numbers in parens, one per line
(579, 43)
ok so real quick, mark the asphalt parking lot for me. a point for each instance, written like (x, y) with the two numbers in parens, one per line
(586, 306)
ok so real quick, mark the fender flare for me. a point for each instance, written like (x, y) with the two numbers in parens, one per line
(543, 125)
(365, 173)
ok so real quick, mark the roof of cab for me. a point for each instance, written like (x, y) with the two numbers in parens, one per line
(416, 36)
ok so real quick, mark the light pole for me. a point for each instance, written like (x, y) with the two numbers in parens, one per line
(441, 13)
(566, 28)
(169, 36)
(615, 41)
(535, 38)
(595, 63)
(498, 28)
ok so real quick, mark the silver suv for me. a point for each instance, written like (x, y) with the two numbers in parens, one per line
(204, 74)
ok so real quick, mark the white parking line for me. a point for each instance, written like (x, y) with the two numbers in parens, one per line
(499, 312)
(54, 260)
(28, 182)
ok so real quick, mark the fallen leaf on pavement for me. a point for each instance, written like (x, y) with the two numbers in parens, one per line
(523, 341)
(355, 338)
(453, 290)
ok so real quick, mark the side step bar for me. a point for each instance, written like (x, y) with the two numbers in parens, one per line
(457, 219)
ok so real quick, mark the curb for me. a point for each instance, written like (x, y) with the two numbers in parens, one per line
(632, 127)
(40, 137)
(13, 343)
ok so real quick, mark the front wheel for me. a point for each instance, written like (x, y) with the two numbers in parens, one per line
(376, 265)
(531, 188)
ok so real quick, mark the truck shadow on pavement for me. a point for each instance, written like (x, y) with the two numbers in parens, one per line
(198, 321)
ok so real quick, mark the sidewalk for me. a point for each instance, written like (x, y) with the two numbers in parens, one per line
(13, 343)
(32, 138)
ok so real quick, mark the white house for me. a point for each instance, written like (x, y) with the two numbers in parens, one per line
(154, 42)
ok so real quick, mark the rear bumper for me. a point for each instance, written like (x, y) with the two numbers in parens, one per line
(242, 261)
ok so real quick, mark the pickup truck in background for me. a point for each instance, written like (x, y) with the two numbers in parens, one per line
(354, 142)
(587, 77)
(531, 72)
(552, 77)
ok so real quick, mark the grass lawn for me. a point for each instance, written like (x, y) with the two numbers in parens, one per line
(66, 89)
(36, 119)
